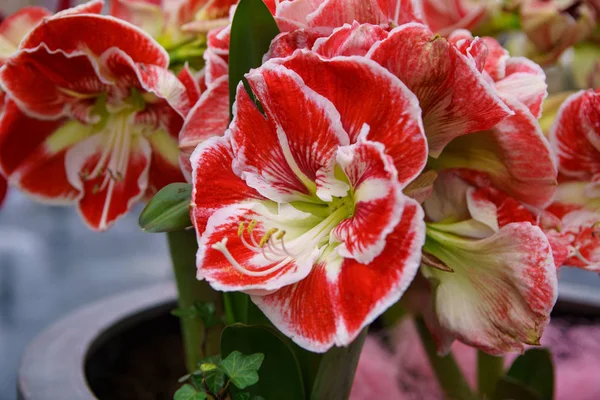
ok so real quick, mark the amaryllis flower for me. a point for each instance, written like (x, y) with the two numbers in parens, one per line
(574, 138)
(491, 270)
(552, 26)
(444, 16)
(302, 207)
(101, 112)
(514, 152)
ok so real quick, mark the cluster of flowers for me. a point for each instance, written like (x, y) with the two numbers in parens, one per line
(389, 150)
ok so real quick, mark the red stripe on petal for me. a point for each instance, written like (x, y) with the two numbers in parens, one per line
(304, 311)
(366, 291)
(334, 13)
(378, 201)
(365, 93)
(215, 184)
(446, 82)
(350, 40)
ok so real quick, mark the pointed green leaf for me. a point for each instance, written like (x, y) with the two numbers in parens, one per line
(168, 210)
(280, 376)
(510, 388)
(535, 370)
(252, 30)
(336, 371)
(242, 369)
(241, 396)
(188, 392)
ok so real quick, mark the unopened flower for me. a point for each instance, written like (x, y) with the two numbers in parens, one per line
(491, 270)
(303, 207)
(101, 112)
(555, 25)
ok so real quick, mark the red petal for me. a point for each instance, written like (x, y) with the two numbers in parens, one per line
(190, 83)
(164, 164)
(188, 10)
(208, 118)
(105, 198)
(378, 201)
(29, 160)
(94, 34)
(286, 43)
(575, 136)
(91, 7)
(3, 189)
(350, 40)
(444, 16)
(334, 302)
(364, 93)
(293, 153)
(334, 13)
(215, 184)
(216, 67)
(446, 82)
(402, 11)
(525, 81)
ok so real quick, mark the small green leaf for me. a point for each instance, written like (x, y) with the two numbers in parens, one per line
(168, 210)
(510, 388)
(188, 392)
(242, 369)
(280, 376)
(215, 380)
(252, 30)
(184, 378)
(535, 370)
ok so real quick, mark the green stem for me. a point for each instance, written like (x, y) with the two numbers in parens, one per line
(489, 371)
(448, 373)
(183, 247)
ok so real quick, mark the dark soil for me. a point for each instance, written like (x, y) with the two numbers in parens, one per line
(142, 362)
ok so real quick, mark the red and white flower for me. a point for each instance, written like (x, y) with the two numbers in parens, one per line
(575, 139)
(303, 207)
(514, 152)
(491, 270)
(93, 115)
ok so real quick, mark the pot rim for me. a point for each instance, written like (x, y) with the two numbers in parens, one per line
(72, 338)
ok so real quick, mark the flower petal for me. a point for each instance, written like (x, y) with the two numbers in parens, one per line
(121, 182)
(17, 25)
(191, 84)
(334, 13)
(146, 14)
(226, 261)
(214, 183)
(32, 154)
(3, 189)
(378, 201)
(501, 291)
(341, 296)
(350, 40)
(525, 81)
(94, 34)
(208, 118)
(575, 135)
(515, 154)
(446, 82)
(444, 17)
(366, 94)
(300, 136)
(284, 44)
(164, 163)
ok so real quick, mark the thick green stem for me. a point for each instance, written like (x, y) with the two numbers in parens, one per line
(448, 373)
(183, 247)
(489, 371)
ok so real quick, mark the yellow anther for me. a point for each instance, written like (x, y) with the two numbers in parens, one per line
(280, 235)
(241, 229)
(251, 225)
(267, 236)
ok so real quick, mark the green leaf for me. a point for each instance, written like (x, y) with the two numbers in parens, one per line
(252, 30)
(236, 307)
(241, 396)
(168, 210)
(242, 369)
(206, 311)
(188, 392)
(535, 370)
(510, 388)
(336, 370)
(215, 380)
(280, 376)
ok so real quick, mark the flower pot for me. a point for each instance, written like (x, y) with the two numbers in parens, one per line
(127, 344)
(130, 345)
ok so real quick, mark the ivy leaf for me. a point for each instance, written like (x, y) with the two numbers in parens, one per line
(215, 380)
(203, 310)
(188, 392)
(168, 210)
(242, 369)
(241, 396)
(535, 370)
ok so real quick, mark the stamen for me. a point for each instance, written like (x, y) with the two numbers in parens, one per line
(280, 235)
(222, 247)
(267, 236)
(574, 252)
(252, 225)
(241, 229)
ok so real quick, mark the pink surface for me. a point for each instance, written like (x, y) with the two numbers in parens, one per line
(404, 373)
